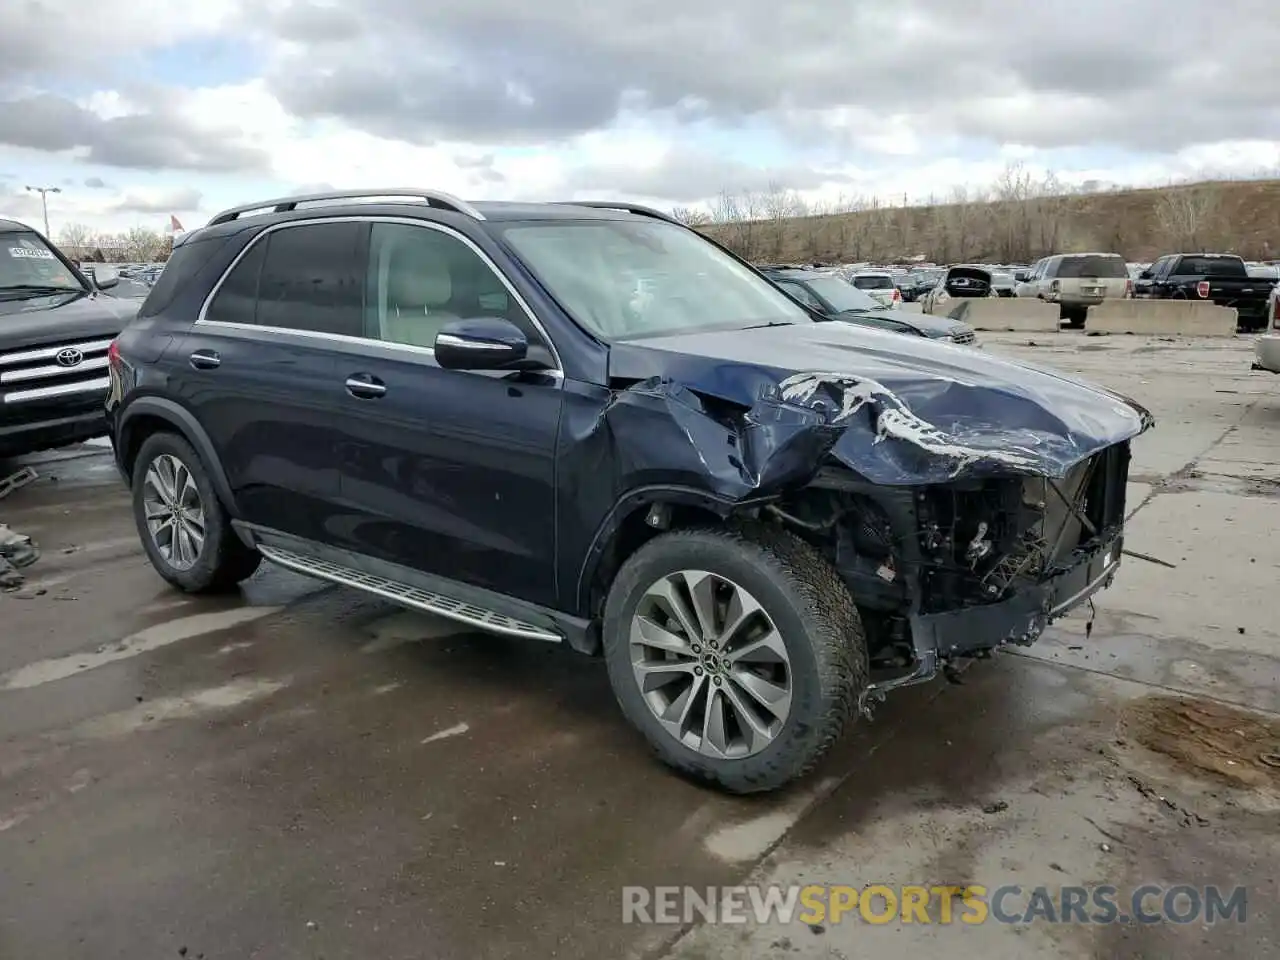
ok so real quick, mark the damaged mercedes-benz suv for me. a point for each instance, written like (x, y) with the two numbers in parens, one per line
(586, 423)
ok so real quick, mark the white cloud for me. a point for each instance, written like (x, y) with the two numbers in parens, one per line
(659, 100)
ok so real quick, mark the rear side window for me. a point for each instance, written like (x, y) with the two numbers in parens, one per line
(873, 283)
(308, 277)
(313, 279)
(1105, 267)
(183, 264)
(1212, 267)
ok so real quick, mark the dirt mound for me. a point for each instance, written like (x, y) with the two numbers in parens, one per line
(1205, 736)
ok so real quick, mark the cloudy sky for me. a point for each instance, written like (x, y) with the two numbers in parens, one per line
(141, 108)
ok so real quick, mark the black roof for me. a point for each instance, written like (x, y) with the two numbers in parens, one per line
(9, 226)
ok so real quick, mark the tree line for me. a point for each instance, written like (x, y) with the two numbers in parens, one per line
(135, 245)
(1017, 219)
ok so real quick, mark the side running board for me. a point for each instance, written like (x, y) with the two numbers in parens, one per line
(402, 593)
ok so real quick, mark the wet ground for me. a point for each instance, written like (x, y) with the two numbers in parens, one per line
(303, 772)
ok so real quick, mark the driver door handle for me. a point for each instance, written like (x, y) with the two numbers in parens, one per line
(365, 386)
(205, 359)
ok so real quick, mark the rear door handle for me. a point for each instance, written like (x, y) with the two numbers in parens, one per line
(365, 386)
(205, 359)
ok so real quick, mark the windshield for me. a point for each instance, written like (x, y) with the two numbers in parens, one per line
(623, 278)
(880, 282)
(1076, 267)
(841, 295)
(27, 261)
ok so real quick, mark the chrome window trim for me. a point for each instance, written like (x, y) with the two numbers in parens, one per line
(557, 373)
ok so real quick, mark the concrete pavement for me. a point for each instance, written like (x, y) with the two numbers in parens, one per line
(300, 771)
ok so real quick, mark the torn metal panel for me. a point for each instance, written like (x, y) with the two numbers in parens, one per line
(905, 413)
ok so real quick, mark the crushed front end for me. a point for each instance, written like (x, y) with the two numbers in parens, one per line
(951, 571)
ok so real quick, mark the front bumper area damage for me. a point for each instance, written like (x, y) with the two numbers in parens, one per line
(962, 515)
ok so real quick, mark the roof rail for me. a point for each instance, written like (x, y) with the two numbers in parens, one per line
(434, 198)
(635, 208)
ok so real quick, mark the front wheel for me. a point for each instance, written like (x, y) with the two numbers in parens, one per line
(185, 531)
(738, 654)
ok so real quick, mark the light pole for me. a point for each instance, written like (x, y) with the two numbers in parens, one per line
(44, 202)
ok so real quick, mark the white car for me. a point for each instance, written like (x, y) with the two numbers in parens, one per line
(879, 285)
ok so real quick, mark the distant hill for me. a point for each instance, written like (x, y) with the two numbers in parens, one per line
(1240, 217)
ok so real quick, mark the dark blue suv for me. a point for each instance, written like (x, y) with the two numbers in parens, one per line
(586, 423)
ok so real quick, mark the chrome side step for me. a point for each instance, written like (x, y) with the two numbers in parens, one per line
(423, 600)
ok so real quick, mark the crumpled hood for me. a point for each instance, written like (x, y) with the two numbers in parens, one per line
(894, 409)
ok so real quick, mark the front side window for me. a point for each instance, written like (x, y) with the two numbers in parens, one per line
(621, 278)
(27, 262)
(420, 279)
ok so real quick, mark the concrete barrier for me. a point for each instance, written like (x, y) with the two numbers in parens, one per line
(1005, 313)
(1188, 318)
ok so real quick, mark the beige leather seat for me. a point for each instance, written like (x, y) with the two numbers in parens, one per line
(419, 291)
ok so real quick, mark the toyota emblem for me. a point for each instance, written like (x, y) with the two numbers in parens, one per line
(69, 357)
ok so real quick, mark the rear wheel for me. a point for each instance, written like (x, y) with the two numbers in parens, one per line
(185, 531)
(738, 654)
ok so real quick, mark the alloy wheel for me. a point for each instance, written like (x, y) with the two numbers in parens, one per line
(174, 511)
(711, 664)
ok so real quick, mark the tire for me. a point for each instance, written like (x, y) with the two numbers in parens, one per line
(813, 615)
(223, 560)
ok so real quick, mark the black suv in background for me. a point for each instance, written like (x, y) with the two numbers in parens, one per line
(55, 328)
(586, 423)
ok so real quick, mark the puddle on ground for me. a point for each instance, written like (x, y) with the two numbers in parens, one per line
(187, 705)
(59, 668)
(1205, 736)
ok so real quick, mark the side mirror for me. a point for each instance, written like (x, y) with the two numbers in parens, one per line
(104, 278)
(1021, 276)
(485, 343)
(1145, 275)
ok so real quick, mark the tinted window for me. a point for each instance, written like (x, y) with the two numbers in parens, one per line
(237, 298)
(419, 279)
(313, 279)
(1212, 267)
(1108, 267)
(873, 283)
(182, 265)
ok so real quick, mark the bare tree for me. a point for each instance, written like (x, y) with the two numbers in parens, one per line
(1187, 216)
(691, 216)
(141, 244)
(76, 240)
(781, 206)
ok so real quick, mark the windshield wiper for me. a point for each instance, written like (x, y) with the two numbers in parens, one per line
(19, 290)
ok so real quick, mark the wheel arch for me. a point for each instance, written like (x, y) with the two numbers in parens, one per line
(627, 527)
(146, 416)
